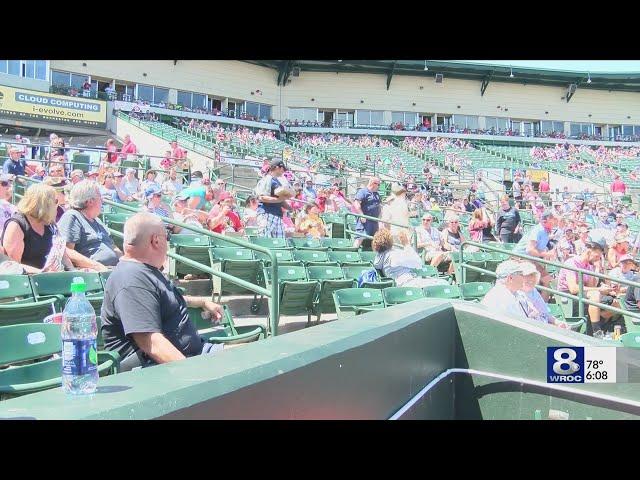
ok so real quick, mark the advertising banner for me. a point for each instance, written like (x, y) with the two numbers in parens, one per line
(21, 104)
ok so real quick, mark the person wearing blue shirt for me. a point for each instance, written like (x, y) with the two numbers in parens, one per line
(367, 202)
(535, 244)
(309, 192)
(14, 165)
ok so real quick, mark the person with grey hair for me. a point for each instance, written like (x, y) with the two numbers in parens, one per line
(503, 296)
(84, 232)
(144, 315)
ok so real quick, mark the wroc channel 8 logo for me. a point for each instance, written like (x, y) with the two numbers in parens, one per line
(565, 364)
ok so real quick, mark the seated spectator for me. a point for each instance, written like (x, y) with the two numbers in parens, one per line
(251, 211)
(111, 157)
(154, 204)
(15, 164)
(150, 181)
(41, 172)
(568, 283)
(7, 209)
(108, 190)
(60, 185)
(537, 308)
(76, 176)
(503, 297)
(196, 192)
(28, 235)
(84, 232)
(399, 264)
(145, 317)
(172, 185)
(223, 217)
(131, 185)
(312, 225)
(619, 248)
(430, 240)
(56, 170)
(183, 214)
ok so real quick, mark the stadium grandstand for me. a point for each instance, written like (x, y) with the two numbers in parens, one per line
(274, 238)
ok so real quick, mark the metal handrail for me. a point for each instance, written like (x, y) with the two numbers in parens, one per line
(581, 272)
(274, 307)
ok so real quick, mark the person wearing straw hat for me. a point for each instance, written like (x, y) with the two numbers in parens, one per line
(537, 308)
(130, 185)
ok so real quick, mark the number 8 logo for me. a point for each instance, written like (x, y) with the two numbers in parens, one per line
(565, 356)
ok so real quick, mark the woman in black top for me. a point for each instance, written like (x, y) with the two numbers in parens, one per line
(28, 235)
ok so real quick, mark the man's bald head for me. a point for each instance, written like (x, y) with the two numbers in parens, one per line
(139, 227)
(374, 184)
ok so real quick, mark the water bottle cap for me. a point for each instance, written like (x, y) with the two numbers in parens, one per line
(78, 285)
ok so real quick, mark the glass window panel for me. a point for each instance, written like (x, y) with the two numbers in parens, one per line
(472, 122)
(184, 98)
(14, 67)
(627, 130)
(30, 68)
(252, 108)
(199, 100)
(363, 117)
(377, 117)
(3, 66)
(575, 129)
(397, 117)
(160, 95)
(636, 130)
(410, 118)
(77, 80)
(145, 92)
(491, 123)
(460, 121)
(41, 69)
(59, 78)
(265, 112)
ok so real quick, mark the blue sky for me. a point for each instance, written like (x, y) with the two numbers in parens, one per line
(609, 66)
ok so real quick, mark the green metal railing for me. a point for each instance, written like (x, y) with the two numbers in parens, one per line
(581, 272)
(273, 293)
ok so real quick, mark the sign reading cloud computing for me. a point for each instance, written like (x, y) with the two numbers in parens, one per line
(22, 104)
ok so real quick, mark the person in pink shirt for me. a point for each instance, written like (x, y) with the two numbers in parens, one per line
(543, 186)
(177, 153)
(128, 148)
(618, 188)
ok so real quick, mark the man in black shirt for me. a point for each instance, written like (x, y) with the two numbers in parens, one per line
(144, 315)
(507, 221)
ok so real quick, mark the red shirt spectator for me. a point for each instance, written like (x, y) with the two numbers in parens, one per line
(543, 186)
(128, 148)
(176, 152)
(618, 186)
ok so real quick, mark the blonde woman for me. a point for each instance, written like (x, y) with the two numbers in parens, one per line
(28, 234)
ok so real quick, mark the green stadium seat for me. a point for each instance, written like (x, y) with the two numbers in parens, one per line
(311, 257)
(354, 301)
(297, 293)
(18, 302)
(237, 262)
(303, 243)
(58, 285)
(344, 257)
(341, 244)
(474, 291)
(27, 349)
(271, 243)
(330, 280)
(226, 331)
(442, 291)
(194, 247)
(397, 295)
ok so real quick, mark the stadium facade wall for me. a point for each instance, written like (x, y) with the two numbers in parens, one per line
(234, 80)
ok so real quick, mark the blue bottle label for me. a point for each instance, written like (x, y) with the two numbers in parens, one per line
(79, 357)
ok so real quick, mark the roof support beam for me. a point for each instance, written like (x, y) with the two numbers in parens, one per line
(390, 74)
(283, 72)
(485, 84)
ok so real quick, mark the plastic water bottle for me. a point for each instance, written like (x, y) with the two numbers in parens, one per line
(79, 348)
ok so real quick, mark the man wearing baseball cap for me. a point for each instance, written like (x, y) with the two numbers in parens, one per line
(503, 296)
(15, 165)
(270, 204)
(568, 283)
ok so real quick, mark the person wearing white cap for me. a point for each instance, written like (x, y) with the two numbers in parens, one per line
(537, 308)
(502, 297)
